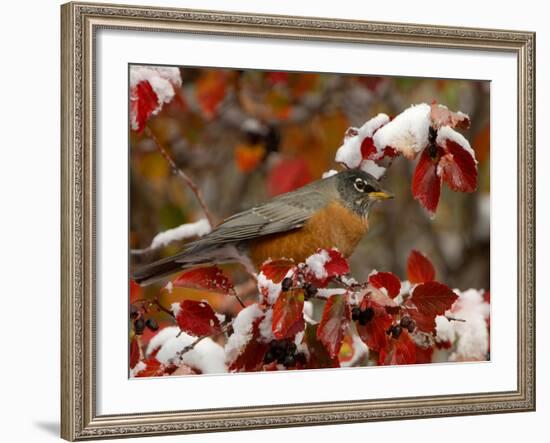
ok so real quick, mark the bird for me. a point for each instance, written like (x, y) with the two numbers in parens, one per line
(328, 213)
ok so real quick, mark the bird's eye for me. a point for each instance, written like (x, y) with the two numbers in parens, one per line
(362, 186)
(359, 184)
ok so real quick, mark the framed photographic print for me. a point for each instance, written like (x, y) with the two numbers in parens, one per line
(280, 221)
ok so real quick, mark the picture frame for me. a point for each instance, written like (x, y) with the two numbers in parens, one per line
(80, 244)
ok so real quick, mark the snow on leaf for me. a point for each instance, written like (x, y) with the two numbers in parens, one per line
(196, 318)
(210, 278)
(442, 116)
(358, 143)
(326, 264)
(288, 318)
(252, 355)
(419, 268)
(150, 88)
(458, 168)
(407, 133)
(400, 351)
(334, 324)
(152, 368)
(288, 175)
(243, 331)
(386, 280)
(143, 103)
(276, 270)
(426, 184)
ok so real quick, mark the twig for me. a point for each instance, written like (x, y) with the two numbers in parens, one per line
(176, 170)
(162, 308)
(192, 345)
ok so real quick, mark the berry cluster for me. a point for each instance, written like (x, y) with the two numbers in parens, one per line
(406, 323)
(284, 352)
(140, 323)
(310, 290)
(363, 316)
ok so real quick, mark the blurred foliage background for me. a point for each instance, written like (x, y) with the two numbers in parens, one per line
(244, 136)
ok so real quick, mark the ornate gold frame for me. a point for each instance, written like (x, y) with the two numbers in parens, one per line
(79, 23)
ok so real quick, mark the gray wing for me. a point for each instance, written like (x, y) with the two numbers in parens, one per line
(287, 212)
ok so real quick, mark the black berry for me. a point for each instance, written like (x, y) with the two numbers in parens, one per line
(310, 290)
(396, 331)
(291, 348)
(152, 324)
(289, 361)
(412, 326)
(355, 313)
(366, 316)
(139, 326)
(405, 322)
(269, 357)
(286, 284)
(301, 358)
(134, 312)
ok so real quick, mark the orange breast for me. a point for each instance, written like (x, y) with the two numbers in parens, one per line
(332, 227)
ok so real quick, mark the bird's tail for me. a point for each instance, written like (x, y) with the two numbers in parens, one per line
(152, 272)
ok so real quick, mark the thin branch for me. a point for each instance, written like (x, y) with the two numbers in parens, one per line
(192, 345)
(176, 170)
(162, 308)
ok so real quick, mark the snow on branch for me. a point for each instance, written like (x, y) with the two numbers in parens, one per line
(182, 232)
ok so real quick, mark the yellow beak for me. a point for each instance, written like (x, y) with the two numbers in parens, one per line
(380, 195)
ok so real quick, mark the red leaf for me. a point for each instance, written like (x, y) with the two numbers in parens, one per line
(153, 368)
(426, 184)
(433, 298)
(441, 116)
(288, 175)
(374, 332)
(368, 150)
(424, 355)
(252, 356)
(276, 270)
(419, 268)
(388, 281)
(288, 319)
(211, 278)
(400, 351)
(196, 318)
(319, 356)
(135, 291)
(324, 265)
(334, 324)
(143, 102)
(210, 91)
(428, 301)
(458, 168)
(134, 352)
(337, 265)
(277, 77)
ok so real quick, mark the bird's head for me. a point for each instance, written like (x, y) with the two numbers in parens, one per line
(358, 190)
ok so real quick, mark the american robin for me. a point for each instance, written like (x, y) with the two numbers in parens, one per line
(327, 213)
